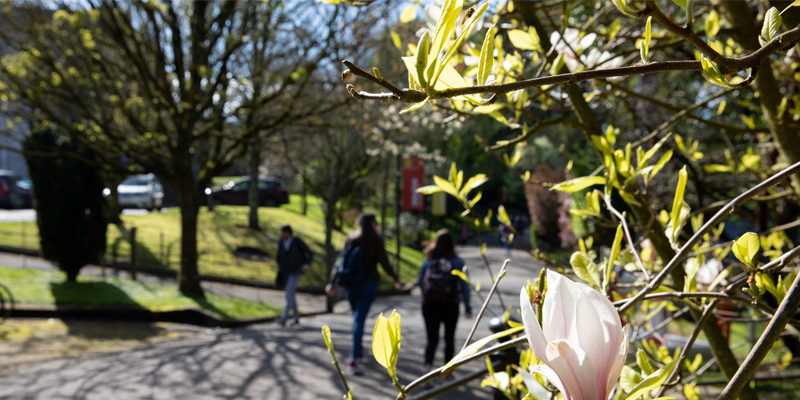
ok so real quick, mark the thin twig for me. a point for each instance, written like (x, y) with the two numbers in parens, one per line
(785, 312)
(728, 209)
(485, 304)
(627, 236)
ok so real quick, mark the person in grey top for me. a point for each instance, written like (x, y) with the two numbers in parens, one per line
(294, 258)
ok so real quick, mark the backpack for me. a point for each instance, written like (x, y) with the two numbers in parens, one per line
(351, 273)
(439, 285)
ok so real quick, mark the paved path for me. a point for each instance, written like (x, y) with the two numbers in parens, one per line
(259, 362)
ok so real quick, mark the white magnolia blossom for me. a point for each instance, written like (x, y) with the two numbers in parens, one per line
(581, 341)
(574, 43)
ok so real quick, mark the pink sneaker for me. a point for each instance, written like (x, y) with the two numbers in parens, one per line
(354, 368)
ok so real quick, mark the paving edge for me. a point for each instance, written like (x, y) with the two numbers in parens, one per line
(189, 316)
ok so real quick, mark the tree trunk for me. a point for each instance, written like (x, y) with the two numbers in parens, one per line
(719, 346)
(253, 191)
(330, 252)
(745, 32)
(188, 276)
(115, 210)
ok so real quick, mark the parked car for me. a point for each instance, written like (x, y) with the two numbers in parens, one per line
(141, 191)
(271, 192)
(26, 192)
(10, 196)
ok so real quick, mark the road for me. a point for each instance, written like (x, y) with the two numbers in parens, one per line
(262, 361)
(25, 215)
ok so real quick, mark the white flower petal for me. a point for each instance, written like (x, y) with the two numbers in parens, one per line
(558, 311)
(616, 370)
(574, 369)
(551, 376)
(599, 333)
(532, 329)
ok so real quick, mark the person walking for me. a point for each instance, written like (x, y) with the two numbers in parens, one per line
(357, 272)
(294, 258)
(440, 295)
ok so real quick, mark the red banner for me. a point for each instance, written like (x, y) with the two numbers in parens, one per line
(413, 178)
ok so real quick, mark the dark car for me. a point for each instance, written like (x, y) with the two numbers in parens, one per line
(271, 192)
(26, 192)
(9, 191)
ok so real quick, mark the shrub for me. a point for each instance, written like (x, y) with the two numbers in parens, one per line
(71, 211)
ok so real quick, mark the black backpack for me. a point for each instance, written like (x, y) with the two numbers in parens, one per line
(351, 273)
(439, 285)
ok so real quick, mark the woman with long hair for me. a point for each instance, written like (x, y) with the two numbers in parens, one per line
(368, 247)
(440, 295)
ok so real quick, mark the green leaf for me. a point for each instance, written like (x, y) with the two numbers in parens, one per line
(717, 168)
(585, 269)
(643, 362)
(489, 108)
(612, 257)
(444, 27)
(446, 186)
(614, 28)
(474, 347)
(629, 379)
(515, 159)
(557, 64)
(653, 381)
(622, 5)
(746, 248)
(472, 183)
(677, 203)
(712, 24)
(644, 49)
(454, 175)
(771, 27)
(524, 40)
(680, 3)
(386, 341)
(326, 334)
(782, 107)
(487, 56)
(466, 29)
(409, 14)
(502, 215)
(430, 189)
(416, 106)
(460, 274)
(660, 164)
(396, 40)
(574, 185)
(421, 60)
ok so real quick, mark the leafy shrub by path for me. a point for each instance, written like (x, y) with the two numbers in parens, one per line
(72, 212)
(50, 288)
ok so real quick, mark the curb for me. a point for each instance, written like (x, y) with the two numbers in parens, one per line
(189, 316)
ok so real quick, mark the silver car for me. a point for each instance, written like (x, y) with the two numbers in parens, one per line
(141, 191)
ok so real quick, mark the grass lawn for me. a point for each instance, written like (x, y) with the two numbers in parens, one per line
(49, 288)
(219, 234)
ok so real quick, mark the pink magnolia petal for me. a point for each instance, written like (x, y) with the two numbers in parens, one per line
(558, 311)
(532, 329)
(599, 333)
(620, 358)
(551, 377)
(574, 369)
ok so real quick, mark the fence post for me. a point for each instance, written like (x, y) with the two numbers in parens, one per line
(161, 250)
(133, 253)
(24, 245)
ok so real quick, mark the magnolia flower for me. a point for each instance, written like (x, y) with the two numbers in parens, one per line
(574, 43)
(581, 343)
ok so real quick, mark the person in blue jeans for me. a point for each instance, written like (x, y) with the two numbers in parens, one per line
(360, 299)
(441, 292)
(293, 260)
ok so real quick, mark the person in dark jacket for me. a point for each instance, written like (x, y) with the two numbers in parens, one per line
(442, 312)
(293, 259)
(374, 253)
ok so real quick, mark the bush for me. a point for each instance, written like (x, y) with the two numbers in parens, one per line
(71, 211)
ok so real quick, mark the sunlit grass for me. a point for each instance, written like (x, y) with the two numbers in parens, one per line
(49, 288)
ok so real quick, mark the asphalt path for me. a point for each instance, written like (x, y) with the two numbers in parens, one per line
(266, 361)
